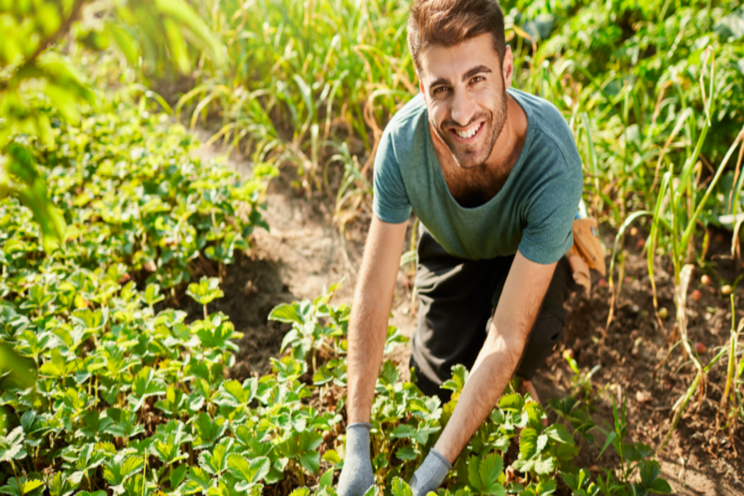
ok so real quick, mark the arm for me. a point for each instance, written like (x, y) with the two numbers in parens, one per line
(369, 315)
(520, 302)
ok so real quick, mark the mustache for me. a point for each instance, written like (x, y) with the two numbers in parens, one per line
(449, 123)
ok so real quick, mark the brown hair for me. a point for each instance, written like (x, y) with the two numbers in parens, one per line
(450, 22)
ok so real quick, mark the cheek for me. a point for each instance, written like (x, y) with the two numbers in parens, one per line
(439, 112)
(488, 98)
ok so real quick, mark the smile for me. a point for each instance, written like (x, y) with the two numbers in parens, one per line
(468, 132)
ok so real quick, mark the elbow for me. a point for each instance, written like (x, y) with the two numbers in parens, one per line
(515, 348)
(511, 345)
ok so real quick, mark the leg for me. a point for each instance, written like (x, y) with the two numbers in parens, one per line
(455, 304)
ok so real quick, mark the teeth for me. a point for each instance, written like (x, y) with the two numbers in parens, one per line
(469, 133)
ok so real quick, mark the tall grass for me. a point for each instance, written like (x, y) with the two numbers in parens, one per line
(311, 84)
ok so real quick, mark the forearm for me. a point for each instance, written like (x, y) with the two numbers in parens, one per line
(369, 316)
(367, 333)
(488, 378)
(515, 314)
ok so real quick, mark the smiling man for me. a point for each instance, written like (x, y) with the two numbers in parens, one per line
(495, 178)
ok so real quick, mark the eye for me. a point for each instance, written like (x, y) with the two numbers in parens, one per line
(439, 90)
(477, 79)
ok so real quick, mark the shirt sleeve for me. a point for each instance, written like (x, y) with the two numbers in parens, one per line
(390, 202)
(550, 215)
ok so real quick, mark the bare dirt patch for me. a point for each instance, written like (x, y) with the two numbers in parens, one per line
(302, 253)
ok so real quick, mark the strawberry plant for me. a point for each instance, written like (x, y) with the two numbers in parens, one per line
(129, 396)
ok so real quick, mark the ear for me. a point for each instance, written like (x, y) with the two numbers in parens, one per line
(508, 67)
(421, 88)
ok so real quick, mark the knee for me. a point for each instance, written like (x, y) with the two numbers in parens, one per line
(547, 331)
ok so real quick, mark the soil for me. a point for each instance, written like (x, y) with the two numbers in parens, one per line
(699, 459)
(305, 252)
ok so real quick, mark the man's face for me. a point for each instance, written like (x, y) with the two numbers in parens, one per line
(465, 91)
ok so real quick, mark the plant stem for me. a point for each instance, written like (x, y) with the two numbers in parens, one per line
(732, 357)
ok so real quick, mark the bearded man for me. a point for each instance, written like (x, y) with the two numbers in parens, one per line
(495, 178)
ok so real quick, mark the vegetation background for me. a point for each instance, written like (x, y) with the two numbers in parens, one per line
(116, 237)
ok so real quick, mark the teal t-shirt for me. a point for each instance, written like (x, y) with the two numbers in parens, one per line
(533, 212)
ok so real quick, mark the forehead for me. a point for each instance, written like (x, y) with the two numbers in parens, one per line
(451, 62)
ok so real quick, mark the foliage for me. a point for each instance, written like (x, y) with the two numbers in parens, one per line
(36, 75)
(132, 396)
(121, 387)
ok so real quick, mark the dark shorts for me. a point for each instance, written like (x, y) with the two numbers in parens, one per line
(457, 299)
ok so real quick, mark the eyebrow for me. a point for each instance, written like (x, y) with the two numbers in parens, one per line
(469, 74)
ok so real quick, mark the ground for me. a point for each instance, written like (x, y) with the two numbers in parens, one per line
(304, 252)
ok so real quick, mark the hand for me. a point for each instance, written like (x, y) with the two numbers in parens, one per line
(356, 476)
(430, 474)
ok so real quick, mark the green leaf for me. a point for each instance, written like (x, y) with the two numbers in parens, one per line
(660, 486)
(208, 431)
(178, 475)
(331, 456)
(248, 471)
(310, 460)
(123, 41)
(545, 487)
(649, 472)
(146, 384)
(484, 473)
(326, 479)
(287, 313)
(610, 437)
(120, 469)
(30, 485)
(300, 491)
(406, 453)
(545, 466)
(152, 294)
(185, 16)
(206, 290)
(512, 402)
(400, 488)
(559, 433)
(233, 394)
(563, 406)
(11, 446)
(123, 423)
(535, 415)
(198, 479)
(458, 379)
(528, 443)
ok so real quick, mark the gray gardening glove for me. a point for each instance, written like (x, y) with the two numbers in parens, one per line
(356, 476)
(430, 474)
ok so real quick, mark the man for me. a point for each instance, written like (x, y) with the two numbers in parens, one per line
(495, 178)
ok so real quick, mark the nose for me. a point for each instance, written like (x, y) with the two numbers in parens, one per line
(463, 108)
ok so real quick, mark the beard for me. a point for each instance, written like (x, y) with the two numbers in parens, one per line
(474, 155)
